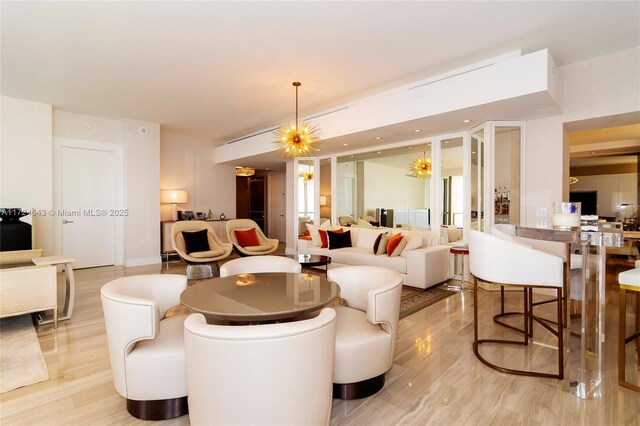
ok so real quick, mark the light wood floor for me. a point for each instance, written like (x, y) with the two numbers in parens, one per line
(436, 379)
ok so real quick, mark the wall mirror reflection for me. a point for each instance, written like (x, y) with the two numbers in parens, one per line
(385, 188)
(452, 183)
(325, 189)
(306, 194)
(477, 180)
(507, 174)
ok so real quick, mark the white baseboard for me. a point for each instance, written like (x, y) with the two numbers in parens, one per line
(139, 261)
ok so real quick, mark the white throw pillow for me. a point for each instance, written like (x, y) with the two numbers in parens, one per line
(415, 239)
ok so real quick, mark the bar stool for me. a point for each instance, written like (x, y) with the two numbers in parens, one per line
(629, 281)
(497, 261)
(459, 251)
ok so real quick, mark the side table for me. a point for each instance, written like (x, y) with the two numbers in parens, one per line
(313, 260)
(70, 287)
(462, 251)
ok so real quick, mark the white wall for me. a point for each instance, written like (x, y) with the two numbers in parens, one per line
(604, 86)
(188, 163)
(141, 194)
(26, 162)
(141, 177)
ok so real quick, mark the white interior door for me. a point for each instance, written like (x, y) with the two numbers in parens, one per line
(88, 206)
(277, 206)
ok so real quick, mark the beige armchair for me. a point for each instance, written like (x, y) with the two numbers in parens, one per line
(264, 245)
(367, 328)
(217, 250)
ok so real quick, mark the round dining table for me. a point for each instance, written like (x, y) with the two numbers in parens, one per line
(259, 297)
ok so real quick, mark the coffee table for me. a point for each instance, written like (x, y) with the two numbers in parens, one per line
(313, 260)
(260, 297)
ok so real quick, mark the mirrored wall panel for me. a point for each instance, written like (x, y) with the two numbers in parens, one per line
(388, 187)
(507, 174)
(306, 194)
(452, 182)
(477, 180)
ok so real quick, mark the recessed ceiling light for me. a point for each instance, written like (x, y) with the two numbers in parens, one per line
(345, 144)
(379, 152)
(378, 138)
(352, 156)
(429, 144)
(473, 152)
(593, 152)
(466, 121)
(417, 130)
(267, 168)
(409, 147)
(447, 141)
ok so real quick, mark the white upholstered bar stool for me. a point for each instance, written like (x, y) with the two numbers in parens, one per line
(367, 328)
(629, 281)
(268, 374)
(256, 264)
(146, 350)
(498, 261)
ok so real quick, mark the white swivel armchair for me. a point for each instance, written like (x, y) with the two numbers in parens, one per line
(262, 245)
(256, 264)
(367, 328)
(502, 262)
(145, 350)
(217, 250)
(269, 374)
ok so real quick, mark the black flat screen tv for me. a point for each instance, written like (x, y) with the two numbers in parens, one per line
(589, 200)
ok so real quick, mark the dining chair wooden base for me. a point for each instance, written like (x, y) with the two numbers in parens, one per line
(358, 390)
(161, 409)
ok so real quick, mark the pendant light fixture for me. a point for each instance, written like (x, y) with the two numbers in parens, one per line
(421, 167)
(296, 140)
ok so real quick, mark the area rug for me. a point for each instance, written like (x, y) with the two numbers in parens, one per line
(21, 359)
(413, 300)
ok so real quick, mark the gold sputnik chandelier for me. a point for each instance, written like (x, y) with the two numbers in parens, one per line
(421, 167)
(294, 140)
(307, 176)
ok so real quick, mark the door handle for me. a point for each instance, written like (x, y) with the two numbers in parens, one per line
(281, 215)
(64, 221)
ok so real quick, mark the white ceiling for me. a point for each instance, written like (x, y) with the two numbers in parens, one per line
(222, 70)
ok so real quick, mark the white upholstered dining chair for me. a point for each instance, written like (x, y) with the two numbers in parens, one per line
(256, 264)
(146, 350)
(367, 328)
(268, 374)
(503, 262)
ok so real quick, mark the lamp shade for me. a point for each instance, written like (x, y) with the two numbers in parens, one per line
(323, 200)
(173, 196)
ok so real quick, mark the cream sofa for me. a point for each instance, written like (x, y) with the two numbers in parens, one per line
(424, 266)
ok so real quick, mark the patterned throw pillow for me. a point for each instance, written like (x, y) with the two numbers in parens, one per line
(380, 245)
(395, 245)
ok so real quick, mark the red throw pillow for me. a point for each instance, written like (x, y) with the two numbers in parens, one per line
(393, 243)
(323, 236)
(247, 238)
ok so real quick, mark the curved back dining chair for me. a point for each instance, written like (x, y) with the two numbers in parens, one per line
(367, 328)
(268, 374)
(256, 264)
(248, 239)
(145, 350)
(503, 262)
